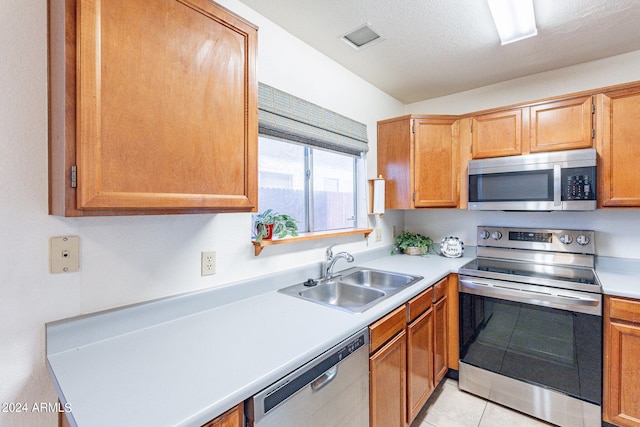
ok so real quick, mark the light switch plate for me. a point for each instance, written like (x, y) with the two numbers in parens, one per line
(64, 254)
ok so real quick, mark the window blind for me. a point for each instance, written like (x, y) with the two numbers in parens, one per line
(288, 118)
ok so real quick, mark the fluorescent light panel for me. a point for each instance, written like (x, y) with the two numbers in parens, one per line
(514, 19)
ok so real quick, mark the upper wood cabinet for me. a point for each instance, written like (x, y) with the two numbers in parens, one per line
(499, 133)
(621, 404)
(418, 156)
(562, 125)
(549, 126)
(153, 108)
(618, 148)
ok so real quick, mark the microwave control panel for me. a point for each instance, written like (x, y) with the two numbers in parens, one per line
(579, 184)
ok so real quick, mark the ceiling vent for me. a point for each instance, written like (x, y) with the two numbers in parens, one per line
(362, 37)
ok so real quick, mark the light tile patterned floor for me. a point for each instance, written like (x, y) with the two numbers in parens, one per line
(450, 407)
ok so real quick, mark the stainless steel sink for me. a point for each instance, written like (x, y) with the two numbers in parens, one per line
(353, 290)
(342, 295)
(383, 280)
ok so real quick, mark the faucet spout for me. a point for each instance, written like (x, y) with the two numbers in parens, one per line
(331, 261)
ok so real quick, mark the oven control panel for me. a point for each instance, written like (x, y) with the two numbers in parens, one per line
(575, 241)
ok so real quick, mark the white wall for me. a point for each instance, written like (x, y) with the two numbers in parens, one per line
(590, 75)
(618, 231)
(126, 259)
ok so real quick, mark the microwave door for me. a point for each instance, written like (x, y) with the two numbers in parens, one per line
(523, 190)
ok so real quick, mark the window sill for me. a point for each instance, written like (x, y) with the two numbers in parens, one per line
(259, 246)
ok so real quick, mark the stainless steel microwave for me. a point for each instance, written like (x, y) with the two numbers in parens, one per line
(555, 181)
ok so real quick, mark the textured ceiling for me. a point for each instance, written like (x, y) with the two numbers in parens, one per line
(433, 48)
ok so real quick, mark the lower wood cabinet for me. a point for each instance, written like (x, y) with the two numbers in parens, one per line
(420, 374)
(387, 387)
(440, 339)
(231, 418)
(409, 356)
(621, 394)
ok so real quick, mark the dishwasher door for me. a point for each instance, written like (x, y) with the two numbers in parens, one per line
(332, 390)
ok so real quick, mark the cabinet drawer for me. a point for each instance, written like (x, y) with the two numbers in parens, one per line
(384, 329)
(440, 289)
(624, 309)
(419, 304)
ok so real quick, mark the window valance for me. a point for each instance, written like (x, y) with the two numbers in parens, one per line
(289, 118)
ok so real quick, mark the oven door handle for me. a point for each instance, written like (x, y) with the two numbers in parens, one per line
(537, 295)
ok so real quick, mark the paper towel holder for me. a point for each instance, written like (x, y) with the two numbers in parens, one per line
(376, 196)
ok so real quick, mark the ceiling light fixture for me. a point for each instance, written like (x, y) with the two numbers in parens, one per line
(514, 19)
(362, 37)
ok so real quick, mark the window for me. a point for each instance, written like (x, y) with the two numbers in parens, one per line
(310, 162)
(315, 186)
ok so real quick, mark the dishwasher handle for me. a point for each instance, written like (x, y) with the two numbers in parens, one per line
(324, 379)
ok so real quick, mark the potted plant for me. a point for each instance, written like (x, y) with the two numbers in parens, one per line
(269, 223)
(412, 244)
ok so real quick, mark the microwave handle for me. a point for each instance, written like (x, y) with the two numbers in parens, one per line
(557, 185)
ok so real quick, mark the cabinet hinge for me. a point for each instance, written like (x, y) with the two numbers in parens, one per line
(74, 176)
(593, 133)
(593, 108)
(413, 196)
(413, 127)
(471, 127)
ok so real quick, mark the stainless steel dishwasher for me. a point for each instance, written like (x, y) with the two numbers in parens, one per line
(332, 390)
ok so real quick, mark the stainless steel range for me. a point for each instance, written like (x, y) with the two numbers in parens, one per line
(531, 324)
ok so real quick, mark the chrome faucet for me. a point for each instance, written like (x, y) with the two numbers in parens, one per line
(330, 261)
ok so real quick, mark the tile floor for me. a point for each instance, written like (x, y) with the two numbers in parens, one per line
(450, 407)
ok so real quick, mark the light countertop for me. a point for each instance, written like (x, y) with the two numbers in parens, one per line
(185, 360)
(179, 362)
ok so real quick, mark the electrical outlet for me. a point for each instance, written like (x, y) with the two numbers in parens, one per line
(64, 254)
(378, 234)
(208, 263)
(394, 231)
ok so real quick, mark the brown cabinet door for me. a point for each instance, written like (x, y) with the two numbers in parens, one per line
(440, 342)
(621, 395)
(418, 156)
(618, 148)
(231, 418)
(165, 114)
(436, 163)
(388, 384)
(498, 134)
(420, 372)
(562, 125)
(394, 161)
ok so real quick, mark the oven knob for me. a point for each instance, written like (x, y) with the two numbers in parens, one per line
(566, 239)
(582, 240)
(484, 234)
(496, 235)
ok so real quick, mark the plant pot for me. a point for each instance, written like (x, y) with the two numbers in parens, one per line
(414, 250)
(269, 235)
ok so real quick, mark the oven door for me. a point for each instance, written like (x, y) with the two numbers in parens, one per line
(536, 335)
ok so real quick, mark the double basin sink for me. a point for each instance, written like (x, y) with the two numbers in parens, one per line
(353, 290)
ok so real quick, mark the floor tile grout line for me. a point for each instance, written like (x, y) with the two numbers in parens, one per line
(483, 411)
